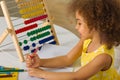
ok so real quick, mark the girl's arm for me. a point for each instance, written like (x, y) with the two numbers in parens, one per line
(99, 63)
(66, 60)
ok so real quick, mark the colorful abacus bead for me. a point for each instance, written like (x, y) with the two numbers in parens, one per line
(33, 45)
(20, 43)
(25, 48)
(25, 42)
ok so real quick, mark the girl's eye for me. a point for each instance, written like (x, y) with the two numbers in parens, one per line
(79, 23)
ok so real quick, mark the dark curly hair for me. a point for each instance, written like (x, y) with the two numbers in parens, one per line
(103, 16)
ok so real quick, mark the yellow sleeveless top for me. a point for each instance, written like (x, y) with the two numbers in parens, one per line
(111, 73)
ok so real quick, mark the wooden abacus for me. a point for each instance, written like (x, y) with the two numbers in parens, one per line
(38, 27)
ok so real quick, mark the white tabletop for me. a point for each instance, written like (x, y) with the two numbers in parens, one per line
(8, 55)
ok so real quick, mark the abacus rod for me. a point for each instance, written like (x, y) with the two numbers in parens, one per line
(22, 36)
(6, 44)
(14, 13)
(15, 19)
(12, 8)
(10, 42)
(18, 24)
(10, 2)
(40, 23)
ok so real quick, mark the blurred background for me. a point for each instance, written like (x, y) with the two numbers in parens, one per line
(58, 10)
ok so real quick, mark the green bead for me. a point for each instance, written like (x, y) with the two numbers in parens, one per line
(37, 31)
(32, 32)
(48, 26)
(47, 33)
(43, 28)
(42, 35)
(20, 44)
(28, 34)
(25, 41)
(31, 39)
(37, 36)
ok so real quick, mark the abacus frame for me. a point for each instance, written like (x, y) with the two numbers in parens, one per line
(10, 30)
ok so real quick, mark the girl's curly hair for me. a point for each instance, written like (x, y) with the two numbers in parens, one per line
(102, 15)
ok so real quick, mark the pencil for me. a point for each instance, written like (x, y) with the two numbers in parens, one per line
(17, 70)
(5, 73)
(5, 76)
(2, 68)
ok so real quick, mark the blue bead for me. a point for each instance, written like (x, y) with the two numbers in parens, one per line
(46, 39)
(32, 51)
(26, 48)
(33, 44)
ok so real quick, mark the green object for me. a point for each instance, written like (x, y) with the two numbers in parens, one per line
(20, 43)
(28, 34)
(25, 41)
(16, 70)
(40, 36)
(38, 30)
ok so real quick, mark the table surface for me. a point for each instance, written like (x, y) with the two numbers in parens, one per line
(8, 55)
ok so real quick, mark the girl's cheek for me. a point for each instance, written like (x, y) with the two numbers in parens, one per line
(79, 30)
(76, 27)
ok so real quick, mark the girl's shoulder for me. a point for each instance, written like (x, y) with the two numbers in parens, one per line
(102, 49)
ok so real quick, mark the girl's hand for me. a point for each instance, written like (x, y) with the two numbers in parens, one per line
(35, 72)
(32, 60)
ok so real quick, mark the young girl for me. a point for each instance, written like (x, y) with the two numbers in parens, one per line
(98, 22)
